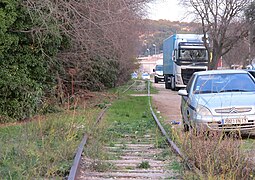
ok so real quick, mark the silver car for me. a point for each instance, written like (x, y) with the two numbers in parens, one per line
(219, 100)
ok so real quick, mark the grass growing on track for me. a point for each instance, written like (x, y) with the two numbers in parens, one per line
(45, 147)
(128, 116)
(128, 119)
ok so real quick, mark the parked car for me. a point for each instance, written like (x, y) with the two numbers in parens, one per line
(219, 100)
(145, 76)
(134, 75)
(252, 72)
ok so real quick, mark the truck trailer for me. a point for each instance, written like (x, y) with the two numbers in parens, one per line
(183, 54)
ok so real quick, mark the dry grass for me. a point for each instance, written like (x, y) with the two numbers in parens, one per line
(218, 155)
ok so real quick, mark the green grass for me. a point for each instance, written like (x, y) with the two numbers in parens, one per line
(176, 166)
(43, 148)
(140, 87)
(248, 144)
(144, 165)
(129, 115)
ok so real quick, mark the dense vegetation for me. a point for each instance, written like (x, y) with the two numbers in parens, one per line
(24, 74)
(51, 50)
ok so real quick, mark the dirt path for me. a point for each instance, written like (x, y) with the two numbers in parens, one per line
(167, 102)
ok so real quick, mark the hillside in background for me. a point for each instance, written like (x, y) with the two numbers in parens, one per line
(155, 31)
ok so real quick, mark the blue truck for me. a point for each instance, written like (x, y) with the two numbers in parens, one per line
(183, 54)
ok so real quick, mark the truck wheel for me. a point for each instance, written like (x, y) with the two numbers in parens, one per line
(167, 84)
(173, 84)
(155, 79)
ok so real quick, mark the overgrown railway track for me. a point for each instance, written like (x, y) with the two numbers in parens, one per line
(137, 159)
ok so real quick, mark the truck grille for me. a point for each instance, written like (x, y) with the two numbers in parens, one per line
(187, 73)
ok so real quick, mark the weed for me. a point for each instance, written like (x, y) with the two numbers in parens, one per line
(165, 154)
(112, 144)
(101, 166)
(144, 165)
(218, 156)
(161, 143)
(176, 166)
(43, 148)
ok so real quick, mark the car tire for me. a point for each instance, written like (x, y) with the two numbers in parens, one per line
(185, 127)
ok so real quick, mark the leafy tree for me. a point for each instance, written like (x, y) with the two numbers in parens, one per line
(23, 62)
(59, 47)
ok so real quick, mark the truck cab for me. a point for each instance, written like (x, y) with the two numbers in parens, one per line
(183, 54)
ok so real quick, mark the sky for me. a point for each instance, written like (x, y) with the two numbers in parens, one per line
(167, 9)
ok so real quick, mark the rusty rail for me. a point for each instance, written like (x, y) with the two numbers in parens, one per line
(73, 172)
(191, 166)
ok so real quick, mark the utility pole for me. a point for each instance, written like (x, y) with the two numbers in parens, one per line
(155, 48)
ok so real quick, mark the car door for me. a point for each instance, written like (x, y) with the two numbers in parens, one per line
(186, 108)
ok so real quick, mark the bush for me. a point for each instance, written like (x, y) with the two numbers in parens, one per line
(24, 68)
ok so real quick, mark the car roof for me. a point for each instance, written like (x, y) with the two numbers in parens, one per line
(228, 71)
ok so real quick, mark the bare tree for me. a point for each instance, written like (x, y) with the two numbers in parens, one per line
(218, 18)
(102, 35)
(238, 55)
(250, 17)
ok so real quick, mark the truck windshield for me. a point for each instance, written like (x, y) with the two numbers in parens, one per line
(159, 68)
(193, 54)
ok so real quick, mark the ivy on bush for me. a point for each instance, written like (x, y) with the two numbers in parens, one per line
(24, 74)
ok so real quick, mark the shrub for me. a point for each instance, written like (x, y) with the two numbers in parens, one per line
(218, 155)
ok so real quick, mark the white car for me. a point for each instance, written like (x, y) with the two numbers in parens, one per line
(146, 76)
(219, 100)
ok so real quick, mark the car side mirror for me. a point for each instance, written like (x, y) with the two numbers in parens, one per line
(153, 70)
(183, 92)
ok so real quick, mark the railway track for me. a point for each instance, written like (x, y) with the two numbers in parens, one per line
(136, 158)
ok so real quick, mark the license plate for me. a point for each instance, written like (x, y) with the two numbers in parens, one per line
(235, 121)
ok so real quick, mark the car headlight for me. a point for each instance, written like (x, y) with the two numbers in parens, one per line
(203, 111)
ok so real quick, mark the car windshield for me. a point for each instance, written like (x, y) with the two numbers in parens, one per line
(190, 54)
(159, 67)
(219, 83)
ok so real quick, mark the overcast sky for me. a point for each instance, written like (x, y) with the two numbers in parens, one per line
(167, 9)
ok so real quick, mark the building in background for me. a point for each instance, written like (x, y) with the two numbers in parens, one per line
(147, 64)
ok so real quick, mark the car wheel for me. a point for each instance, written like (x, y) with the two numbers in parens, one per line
(185, 127)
